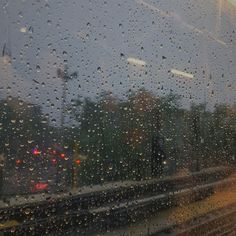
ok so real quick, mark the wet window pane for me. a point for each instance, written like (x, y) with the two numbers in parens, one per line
(117, 117)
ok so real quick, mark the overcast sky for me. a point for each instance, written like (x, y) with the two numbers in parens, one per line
(100, 40)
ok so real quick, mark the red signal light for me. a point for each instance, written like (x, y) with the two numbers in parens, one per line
(36, 151)
(78, 162)
(18, 162)
(62, 155)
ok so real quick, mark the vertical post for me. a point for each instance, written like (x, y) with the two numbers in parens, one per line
(218, 22)
(63, 101)
(196, 128)
(63, 74)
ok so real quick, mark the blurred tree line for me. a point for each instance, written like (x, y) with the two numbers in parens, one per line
(115, 135)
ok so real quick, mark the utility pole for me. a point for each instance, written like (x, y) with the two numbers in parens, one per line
(65, 77)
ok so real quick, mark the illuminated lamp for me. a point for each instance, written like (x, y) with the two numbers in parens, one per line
(36, 151)
(62, 155)
(78, 162)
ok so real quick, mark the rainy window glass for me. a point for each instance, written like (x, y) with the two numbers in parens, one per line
(117, 117)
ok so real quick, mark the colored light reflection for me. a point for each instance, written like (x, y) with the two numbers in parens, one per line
(182, 74)
(54, 161)
(63, 155)
(136, 61)
(41, 186)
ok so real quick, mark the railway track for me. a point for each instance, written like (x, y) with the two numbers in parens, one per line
(105, 210)
(218, 222)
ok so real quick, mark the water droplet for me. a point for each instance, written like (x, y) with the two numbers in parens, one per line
(38, 68)
(20, 14)
(27, 211)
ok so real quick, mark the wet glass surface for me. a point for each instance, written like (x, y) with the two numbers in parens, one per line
(117, 117)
